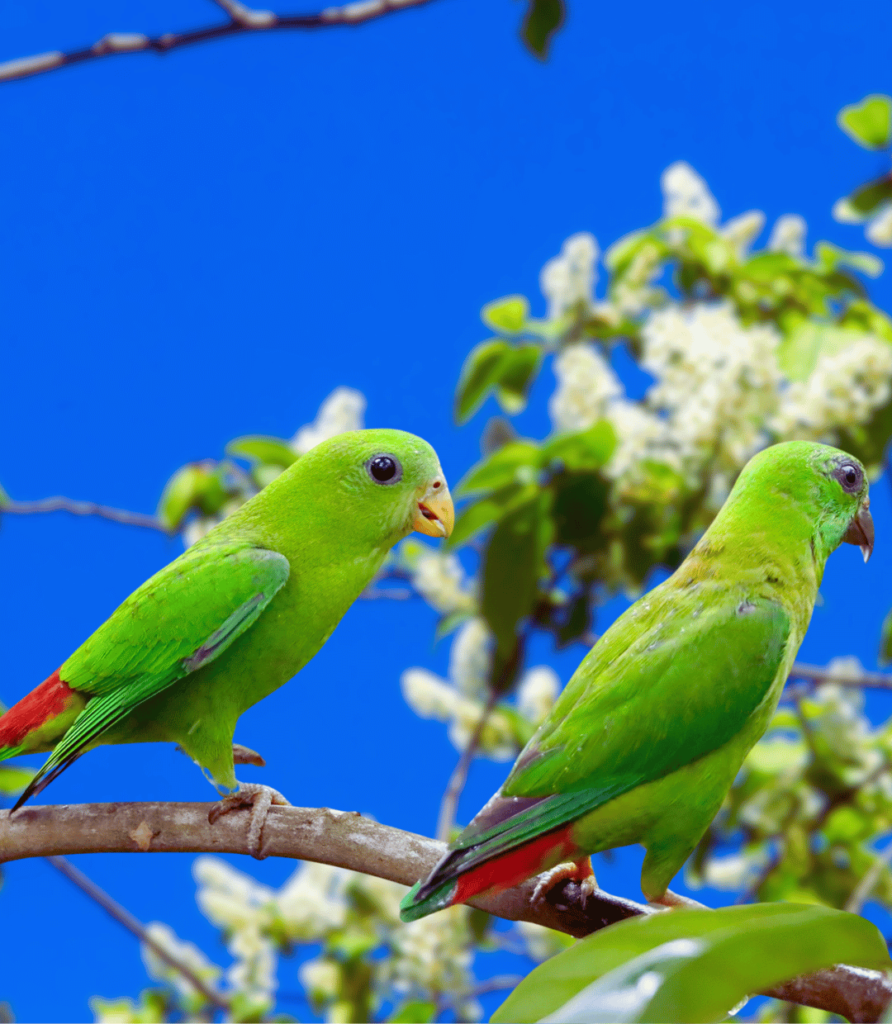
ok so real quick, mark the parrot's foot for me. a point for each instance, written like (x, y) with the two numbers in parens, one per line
(671, 899)
(245, 755)
(579, 871)
(259, 799)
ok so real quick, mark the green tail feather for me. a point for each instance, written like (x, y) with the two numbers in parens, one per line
(410, 910)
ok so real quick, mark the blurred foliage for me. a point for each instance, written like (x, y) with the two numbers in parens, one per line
(869, 124)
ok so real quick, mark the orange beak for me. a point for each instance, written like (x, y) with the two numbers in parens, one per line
(436, 513)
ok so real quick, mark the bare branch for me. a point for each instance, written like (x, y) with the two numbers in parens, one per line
(135, 927)
(82, 508)
(817, 674)
(241, 19)
(347, 840)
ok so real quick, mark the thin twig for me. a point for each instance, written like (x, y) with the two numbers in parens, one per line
(242, 19)
(82, 508)
(459, 776)
(350, 841)
(868, 883)
(135, 927)
(817, 674)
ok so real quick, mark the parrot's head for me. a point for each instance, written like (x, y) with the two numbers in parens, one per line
(385, 483)
(828, 482)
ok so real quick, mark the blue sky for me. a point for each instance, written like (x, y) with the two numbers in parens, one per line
(203, 245)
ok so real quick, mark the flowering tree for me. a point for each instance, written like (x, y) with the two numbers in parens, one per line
(739, 348)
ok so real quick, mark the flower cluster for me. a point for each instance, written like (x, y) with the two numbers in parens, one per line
(568, 280)
(460, 700)
(439, 577)
(343, 410)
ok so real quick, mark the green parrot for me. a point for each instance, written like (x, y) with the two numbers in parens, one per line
(645, 741)
(238, 614)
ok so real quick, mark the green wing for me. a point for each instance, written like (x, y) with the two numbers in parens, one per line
(635, 711)
(179, 620)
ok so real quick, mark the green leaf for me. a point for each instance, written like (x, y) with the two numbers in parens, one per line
(543, 18)
(587, 449)
(415, 1012)
(508, 314)
(258, 448)
(868, 197)
(886, 640)
(4, 498)
(479, 374)
(516, 375)
(483, 513)
(182, 492)
(698, 963)
(831, 256)
(512, 565)
(868, 122)
(13, 779)
(516, 462)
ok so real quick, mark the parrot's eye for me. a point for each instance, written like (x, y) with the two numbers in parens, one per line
(384, 469)
(850, 476)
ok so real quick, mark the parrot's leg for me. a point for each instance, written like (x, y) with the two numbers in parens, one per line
(576, 871)
(245, 755)
(259, 799)
(671, 899)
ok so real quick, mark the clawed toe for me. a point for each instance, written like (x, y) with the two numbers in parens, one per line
(579, 872)
(259, 799)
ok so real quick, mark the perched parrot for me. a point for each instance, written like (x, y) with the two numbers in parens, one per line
(645, 741)
(235, 616)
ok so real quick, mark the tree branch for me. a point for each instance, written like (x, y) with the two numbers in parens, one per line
(241, 19)
(81, 508)
(817, 674)
(347, 840)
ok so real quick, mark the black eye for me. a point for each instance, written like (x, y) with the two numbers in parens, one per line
(384, 469)
(850, 476)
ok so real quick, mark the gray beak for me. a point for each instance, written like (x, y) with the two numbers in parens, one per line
(860, 531)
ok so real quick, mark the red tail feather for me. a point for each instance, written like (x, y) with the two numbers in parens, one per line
(42, 704)
(517, 866)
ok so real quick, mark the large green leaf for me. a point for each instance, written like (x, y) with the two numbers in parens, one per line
(512, 565)
(690, 965)
(799, 352)
(543, 18)
(182, 492)
(474, 518)
(868, 122)
(479, 374)
(259, 448)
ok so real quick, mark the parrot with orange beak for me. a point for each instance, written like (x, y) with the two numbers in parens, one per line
(237, 615)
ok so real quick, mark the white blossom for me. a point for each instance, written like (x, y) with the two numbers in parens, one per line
(428, 695)
(569, 278)
(186, 953)
(253, 974)
(686, 194)
(717, 381)
(440, 579)
(788, 235)
(845, 213)
(586, 385)
(229, 898)
(537, 693)
(733, 872)
(434, 954)
(115, 1011)
(742, 230)
(844, 389)
(320, 977)
(640, 435)
(313, 901)
(879, 230)
(470, 658)
(343, 410)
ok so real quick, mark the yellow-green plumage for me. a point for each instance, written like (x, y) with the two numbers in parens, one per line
(241, 611)
(648, 735)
